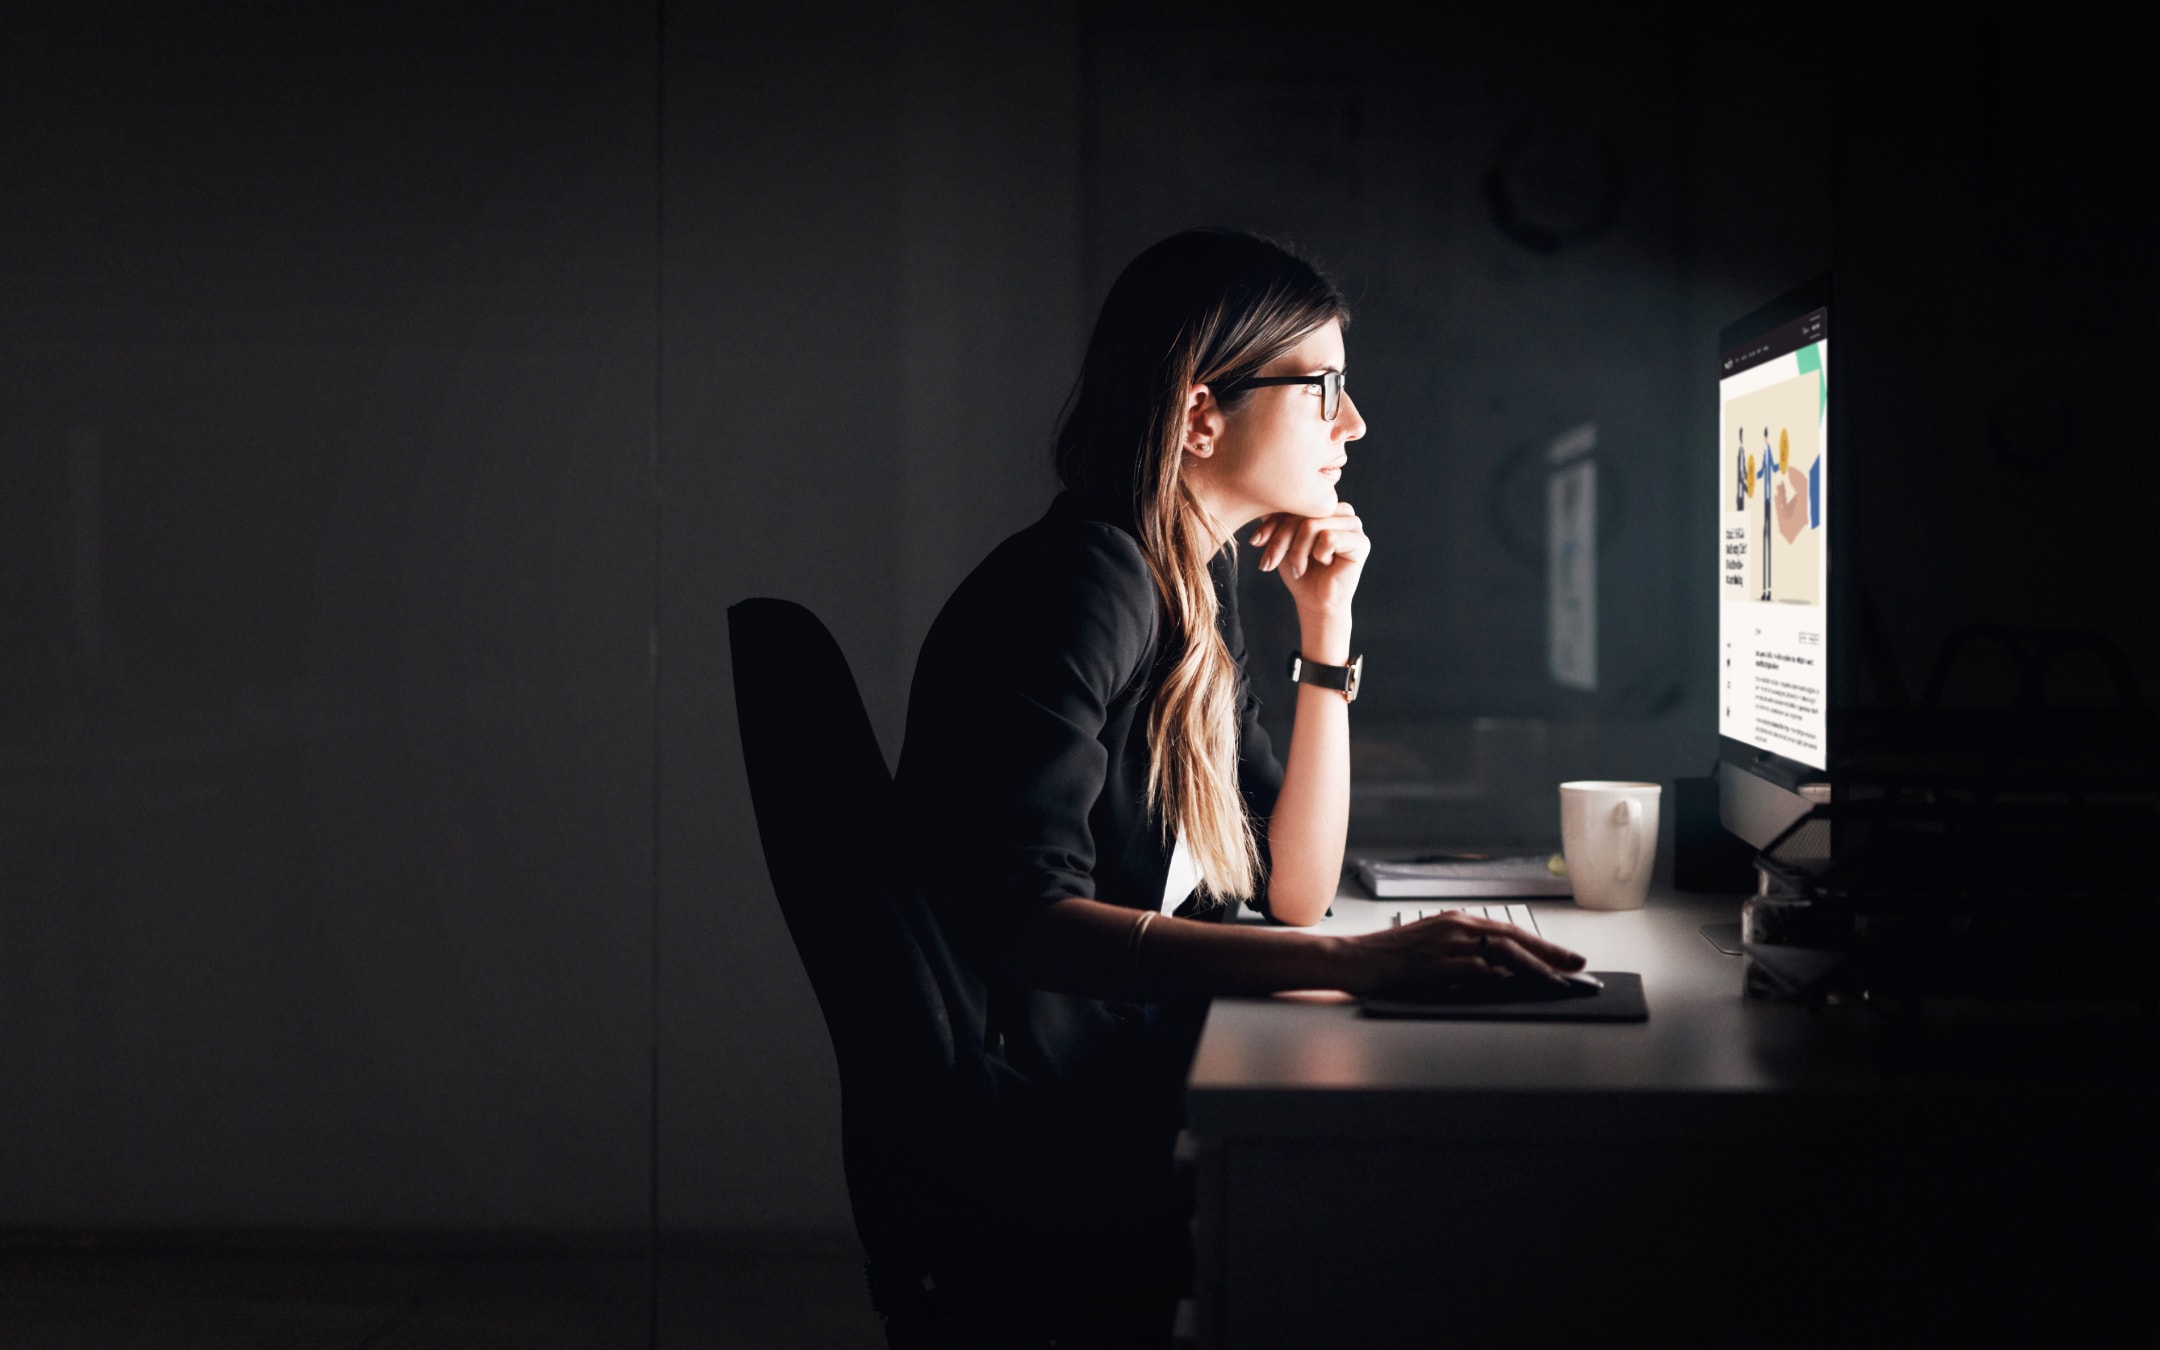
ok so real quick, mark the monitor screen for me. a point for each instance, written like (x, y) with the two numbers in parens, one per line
(1773, 466)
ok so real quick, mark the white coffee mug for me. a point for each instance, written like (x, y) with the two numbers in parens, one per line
(1608, 834)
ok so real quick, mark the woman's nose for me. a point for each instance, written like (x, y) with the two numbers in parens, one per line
(1349, 423)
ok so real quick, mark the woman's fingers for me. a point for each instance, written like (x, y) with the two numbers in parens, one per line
(1320, 539)
(1550, 953)
(1340, 538)
(1454, 949)
(1296, 544)
(1510, 952)
(1503, 945)
(1527, 951)
(1279, 548)
(1299, 555)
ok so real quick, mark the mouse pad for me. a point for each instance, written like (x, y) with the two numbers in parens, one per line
(1621, 1000)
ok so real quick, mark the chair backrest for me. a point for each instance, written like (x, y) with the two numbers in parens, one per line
(884, 980)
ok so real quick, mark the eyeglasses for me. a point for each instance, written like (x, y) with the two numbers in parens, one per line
(1330, 382)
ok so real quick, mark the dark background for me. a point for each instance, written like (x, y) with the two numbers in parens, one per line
(382, 387)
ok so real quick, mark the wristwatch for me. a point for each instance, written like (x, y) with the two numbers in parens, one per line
(1343, 678)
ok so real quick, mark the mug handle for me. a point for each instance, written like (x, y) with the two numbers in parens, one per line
(1628, 814)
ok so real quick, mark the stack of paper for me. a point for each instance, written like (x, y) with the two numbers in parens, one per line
(1528, 874)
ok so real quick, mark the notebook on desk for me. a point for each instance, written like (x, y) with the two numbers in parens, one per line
(1461, 874)
(1621, 1000)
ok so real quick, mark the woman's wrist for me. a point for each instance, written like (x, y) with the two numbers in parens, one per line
(1324, 638)
(1353, 967)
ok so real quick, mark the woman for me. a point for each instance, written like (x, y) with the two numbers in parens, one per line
(1088, 794)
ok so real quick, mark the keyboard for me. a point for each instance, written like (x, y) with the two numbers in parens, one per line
(1522, 916)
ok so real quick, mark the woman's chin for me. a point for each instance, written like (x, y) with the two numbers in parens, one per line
(1320, 502)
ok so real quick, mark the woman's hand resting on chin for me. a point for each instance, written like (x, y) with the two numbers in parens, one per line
(1319, 557)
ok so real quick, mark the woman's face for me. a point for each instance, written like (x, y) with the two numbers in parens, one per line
(1275, 452)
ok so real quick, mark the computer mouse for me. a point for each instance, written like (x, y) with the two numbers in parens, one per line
(1519, 989)
(1571, 984)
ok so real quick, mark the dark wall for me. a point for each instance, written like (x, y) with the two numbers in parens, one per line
(872, 314)
(2003, 275)
(325, 425)
(376, 399)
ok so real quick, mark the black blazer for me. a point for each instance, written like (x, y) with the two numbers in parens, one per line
(1023, 781)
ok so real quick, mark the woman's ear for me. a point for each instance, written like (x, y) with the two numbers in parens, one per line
(1203, 422)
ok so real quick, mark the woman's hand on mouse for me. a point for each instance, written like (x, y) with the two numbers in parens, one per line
(1450, 949)
(1319, 557)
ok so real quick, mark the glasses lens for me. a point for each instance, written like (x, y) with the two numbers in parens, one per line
(1330, 395)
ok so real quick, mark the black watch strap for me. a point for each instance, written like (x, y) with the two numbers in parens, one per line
(1343, 679)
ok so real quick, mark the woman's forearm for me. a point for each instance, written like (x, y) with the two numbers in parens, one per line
(1312, 812)
(1085, 947)
(1096, 950)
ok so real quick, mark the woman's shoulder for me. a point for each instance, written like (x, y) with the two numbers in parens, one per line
(1070, 550)
(1068, 580)
(1095, 552)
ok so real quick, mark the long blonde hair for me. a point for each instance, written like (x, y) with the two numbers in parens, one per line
(1204, 307)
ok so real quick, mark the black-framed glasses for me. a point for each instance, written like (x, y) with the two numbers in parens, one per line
(1330, 382)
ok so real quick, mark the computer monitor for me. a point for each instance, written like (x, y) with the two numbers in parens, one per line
(1779, 535)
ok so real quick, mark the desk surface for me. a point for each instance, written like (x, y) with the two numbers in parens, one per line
(1381, 1183)
(1282, 1068)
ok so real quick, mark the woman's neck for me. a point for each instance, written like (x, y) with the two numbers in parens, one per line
(1215, 521)
(1217, 525)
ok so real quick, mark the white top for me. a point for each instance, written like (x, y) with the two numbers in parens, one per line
(1180, 880)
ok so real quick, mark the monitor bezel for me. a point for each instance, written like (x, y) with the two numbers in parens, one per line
(1808, 296)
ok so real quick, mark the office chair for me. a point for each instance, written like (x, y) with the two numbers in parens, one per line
(894, 1004)
(926, 1122)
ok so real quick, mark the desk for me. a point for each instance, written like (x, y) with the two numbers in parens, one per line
(1729, 1170)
